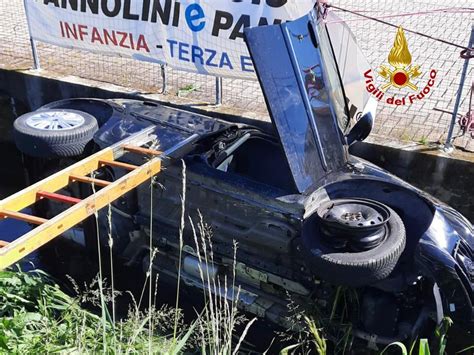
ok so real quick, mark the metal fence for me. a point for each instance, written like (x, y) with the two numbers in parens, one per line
(419, 121)
(416, 122)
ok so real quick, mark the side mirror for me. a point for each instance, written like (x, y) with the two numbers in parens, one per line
(364, 125)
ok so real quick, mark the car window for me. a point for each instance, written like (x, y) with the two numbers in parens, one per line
(331, 73)
(302, 98)
(352, 64)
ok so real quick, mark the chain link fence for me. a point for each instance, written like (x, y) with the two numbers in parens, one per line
(15, 49)
(416, 122)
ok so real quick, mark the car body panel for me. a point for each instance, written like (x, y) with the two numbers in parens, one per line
(251, 217)
(300, 98)
(173, 125)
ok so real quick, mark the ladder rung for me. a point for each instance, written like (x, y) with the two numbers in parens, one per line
(141, 150)
(23, 217)
(117, 164)
(77, 213)
(58, 197)
(89, 180)
(3, 243)
(54, 183)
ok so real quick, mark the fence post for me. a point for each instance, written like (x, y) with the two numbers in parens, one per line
(164, 88)
(448, 146)
(34, 51)
(218, 91)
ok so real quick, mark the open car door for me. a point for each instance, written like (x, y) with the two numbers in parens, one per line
(297, 70)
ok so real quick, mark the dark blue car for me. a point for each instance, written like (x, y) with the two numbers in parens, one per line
(307, 216)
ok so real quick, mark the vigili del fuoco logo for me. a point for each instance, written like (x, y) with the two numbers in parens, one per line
(401, 74)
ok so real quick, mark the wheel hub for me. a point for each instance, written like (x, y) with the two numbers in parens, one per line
(353, 225)
(54, 120)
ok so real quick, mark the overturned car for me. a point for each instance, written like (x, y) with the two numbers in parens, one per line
(307, 216)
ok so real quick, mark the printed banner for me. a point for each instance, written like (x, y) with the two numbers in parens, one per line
(196, 36)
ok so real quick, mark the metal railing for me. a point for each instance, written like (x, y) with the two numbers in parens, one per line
(450, 139)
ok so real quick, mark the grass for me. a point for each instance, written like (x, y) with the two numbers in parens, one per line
(327, 327)
(319, 341)
(330, 332)
(187, 89)
(38, 318)
(423, 140)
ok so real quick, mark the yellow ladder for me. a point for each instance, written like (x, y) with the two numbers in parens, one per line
(82, 172)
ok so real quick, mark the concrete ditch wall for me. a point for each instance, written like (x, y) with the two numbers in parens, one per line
(447, 177)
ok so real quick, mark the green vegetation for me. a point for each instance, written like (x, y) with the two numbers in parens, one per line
(187, 89)
(38, 318)
(322, 333)
(423, 140)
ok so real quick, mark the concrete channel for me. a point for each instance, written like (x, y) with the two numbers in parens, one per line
(449, 177)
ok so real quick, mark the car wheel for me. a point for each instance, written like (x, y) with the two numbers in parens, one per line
(54, 133)
(358, 243)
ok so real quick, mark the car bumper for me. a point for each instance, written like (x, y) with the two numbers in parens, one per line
(446, 255)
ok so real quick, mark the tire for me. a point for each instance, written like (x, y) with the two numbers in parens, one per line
(357, 269)
(101, 109)
(66, 134)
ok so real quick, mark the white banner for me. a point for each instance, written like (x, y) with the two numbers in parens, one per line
(197, 36)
